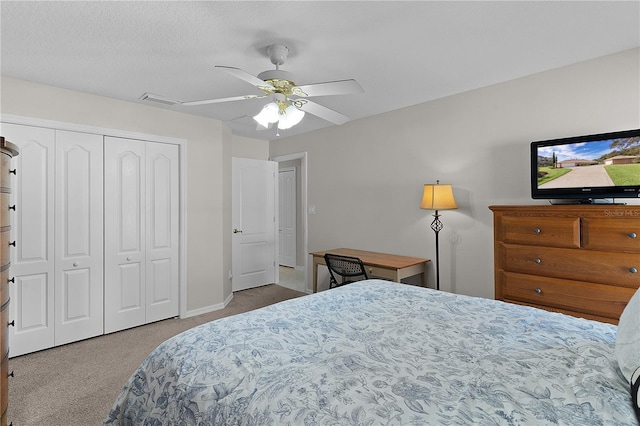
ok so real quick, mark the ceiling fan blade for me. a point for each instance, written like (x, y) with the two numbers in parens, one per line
(219, 100)
(321, 111)
(243, 75)
(340, 87)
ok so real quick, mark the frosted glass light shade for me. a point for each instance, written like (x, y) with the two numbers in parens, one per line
(438, 196)
(268, 114)
(290, 118)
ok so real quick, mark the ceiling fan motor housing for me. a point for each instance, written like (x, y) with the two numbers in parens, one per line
(277, 53)
(282, 80)
(277, 75)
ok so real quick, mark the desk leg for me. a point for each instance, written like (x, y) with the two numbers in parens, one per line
(315, 275)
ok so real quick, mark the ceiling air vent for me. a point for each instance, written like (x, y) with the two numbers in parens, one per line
(150, 97)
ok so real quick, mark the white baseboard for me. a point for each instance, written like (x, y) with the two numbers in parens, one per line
(207, 309)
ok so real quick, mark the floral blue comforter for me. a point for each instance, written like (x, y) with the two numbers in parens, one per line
(381, 353)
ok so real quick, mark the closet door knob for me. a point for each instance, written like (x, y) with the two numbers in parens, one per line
(632, 235)
(13, 207)
(12, 243)
(11, 374)
(11, 280)
(13, 172)
(12, 323)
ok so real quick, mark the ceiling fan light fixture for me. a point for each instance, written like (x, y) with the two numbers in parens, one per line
(268, 114)
(290, 117)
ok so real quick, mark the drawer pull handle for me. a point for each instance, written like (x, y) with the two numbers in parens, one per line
(12, 172)
(75, 263)
(632, 235)
(12, 243)
(13, 207)
(538, 260)
(12, 323)
(633, 270)
(538, 290)
(537, 230)
(128, 258)
(11, 280)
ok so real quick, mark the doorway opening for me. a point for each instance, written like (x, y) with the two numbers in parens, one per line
(293, 270)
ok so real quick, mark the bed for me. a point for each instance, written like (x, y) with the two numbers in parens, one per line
(382, 353)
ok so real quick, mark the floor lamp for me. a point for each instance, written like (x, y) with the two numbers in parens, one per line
(438, 196)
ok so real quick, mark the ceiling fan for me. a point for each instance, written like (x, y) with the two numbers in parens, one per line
(289, 102)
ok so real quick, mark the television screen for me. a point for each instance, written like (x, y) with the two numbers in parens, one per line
(587, 168)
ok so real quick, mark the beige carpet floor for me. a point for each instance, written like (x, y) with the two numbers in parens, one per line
(76, 384)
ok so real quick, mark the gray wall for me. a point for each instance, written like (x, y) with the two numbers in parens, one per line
(365, 177)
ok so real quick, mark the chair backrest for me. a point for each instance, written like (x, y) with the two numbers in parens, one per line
(346, 267)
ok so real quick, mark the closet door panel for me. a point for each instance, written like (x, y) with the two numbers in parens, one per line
(78, 236)
(32, 260)
(162, 231)
(125, 292)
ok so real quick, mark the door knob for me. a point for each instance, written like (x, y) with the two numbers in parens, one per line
(235, 231)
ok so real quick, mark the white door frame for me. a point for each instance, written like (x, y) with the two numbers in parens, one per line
(302, 156)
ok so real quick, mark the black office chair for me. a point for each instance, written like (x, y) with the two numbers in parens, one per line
(346, 267)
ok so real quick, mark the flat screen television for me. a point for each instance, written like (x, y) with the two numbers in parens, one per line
(587, 169)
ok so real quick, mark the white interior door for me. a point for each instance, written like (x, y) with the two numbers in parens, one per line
(287, 214)
(32, 260)
(78, 237)
(162, 257)
(124, 292)
(254, 221)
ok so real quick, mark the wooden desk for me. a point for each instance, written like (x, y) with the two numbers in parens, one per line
(388, 266)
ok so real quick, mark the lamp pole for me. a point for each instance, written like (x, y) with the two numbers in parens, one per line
(437, 225)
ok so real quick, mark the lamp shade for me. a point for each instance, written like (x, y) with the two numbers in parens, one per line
(438, 196)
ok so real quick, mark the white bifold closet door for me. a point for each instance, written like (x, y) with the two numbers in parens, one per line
(56, 295)
(78, 237)
(141, 232)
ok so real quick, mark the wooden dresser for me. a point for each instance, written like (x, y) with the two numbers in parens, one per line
(7, 151)
(582, 260)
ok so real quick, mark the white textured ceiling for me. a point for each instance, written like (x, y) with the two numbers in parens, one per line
(402, 53)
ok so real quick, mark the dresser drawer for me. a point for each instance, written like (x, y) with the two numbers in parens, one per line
(620, 269)
(547, 231)
(4, 324)
(610, 234)
(595, 299)
(4, 385)
(4, 246)
(4, 209)
(4, 284)
(5, 166)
